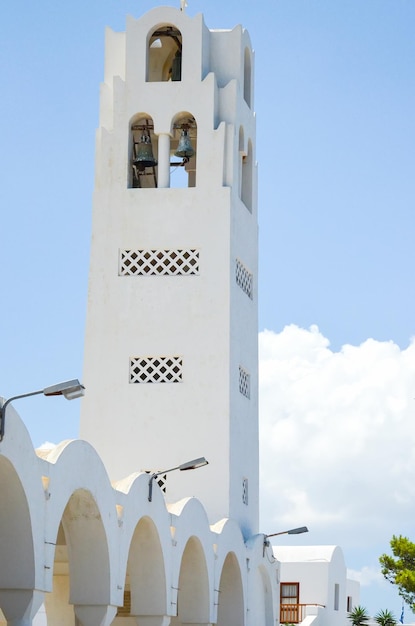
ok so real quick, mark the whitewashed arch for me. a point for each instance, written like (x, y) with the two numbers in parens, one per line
(145, 545)
(82, 498)
(193, 562)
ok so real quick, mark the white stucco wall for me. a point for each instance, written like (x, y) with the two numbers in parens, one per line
(207, 319)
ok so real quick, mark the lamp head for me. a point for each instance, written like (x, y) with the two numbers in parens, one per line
(190, 465)
(70, 389)
(298, 531)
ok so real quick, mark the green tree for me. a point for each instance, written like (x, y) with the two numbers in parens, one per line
(385, 618)
(358, 616)
(400, 569)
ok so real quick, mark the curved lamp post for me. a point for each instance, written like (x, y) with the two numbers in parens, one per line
(189, 465)
(70, 389)
(292, 531)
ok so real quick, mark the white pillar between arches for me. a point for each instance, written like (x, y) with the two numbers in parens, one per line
(20, 605)
(95, 614)
(164, 161)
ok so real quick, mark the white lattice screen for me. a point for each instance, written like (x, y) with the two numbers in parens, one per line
(158, 262)
(244, 382)
(244, 279)
(152, 369)
(245, 491)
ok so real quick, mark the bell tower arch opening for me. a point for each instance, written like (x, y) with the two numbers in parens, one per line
(164, 54)
(183, 151)
(247, 77)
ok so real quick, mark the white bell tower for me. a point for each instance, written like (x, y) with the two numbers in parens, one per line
(171, 358)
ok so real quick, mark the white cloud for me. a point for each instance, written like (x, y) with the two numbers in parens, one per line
(337, 433)
(47, 445)
(366, 576)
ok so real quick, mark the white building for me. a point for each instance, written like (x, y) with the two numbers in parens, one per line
(314, 588)
(170, 361)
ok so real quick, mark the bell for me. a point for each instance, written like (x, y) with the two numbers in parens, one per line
(144, 154)
(185, 148)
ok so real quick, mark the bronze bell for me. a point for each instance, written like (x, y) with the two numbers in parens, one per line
(144, 155)
(185, 148)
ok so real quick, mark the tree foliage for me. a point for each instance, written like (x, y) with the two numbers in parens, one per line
(385, 618)
(400, 569)
(358, 616)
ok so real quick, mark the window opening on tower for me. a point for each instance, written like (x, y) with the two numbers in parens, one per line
(164, 55)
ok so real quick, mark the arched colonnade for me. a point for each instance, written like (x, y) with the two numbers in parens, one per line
(97, 554)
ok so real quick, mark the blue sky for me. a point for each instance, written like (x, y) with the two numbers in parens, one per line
(335, 102)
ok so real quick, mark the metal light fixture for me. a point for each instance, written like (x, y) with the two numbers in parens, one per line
(70, 389)
(292, 531)
(189, 465)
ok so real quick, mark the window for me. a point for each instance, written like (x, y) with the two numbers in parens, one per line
(349, 604)
(290, 593)
(247, 77)
(164, 55)
(183, 148)
(336, 596)
(247, 178)
(289, 603)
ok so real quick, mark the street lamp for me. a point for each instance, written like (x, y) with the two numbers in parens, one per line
(70, 389)
(292, 531)
(189, 465)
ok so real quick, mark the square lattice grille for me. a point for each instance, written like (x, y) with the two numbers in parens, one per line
(158, 262)
(152, 369)
(244, 382)
(244, 279)
(245, 491)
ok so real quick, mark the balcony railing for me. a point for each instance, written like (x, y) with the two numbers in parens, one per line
(294, 613)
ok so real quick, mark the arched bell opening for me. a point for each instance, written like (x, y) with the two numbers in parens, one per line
(248, 77)
(231, 598)
(164, 54)
(143, 153)
(247, 178)
(183, 148)
(193, 592)
(145, 580)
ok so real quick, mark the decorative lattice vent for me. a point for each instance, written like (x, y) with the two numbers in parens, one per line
(244, 382)
(245, 491)
(244, 279)
(156, 369)
(158, 262)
